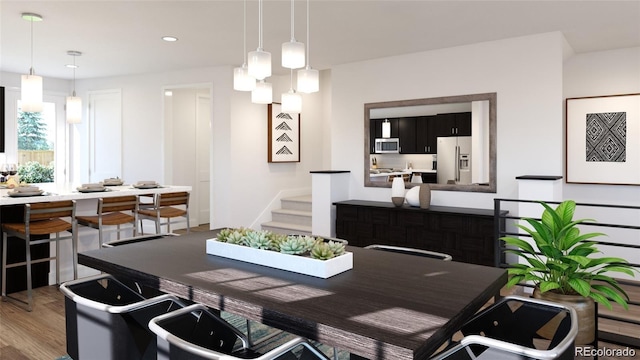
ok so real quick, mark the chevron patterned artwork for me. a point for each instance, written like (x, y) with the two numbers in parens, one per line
(606, 137)
(284, 135)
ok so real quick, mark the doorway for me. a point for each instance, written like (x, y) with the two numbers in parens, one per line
(188, 117)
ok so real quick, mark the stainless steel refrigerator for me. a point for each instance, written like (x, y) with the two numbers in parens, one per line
(454, 160)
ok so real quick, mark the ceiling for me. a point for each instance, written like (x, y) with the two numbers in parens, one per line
(124, 37)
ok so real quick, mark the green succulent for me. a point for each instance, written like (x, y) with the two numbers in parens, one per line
(293, 245)
(258, 240)
(337, 247)
(322, 251)
(223, 235)
(276, 240)
(236, 237)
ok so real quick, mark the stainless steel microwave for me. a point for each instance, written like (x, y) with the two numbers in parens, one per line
(387, 145)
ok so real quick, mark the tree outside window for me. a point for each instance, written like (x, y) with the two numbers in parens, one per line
(35, 150)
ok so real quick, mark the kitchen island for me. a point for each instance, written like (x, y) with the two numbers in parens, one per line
(389, 306)
(12, 210)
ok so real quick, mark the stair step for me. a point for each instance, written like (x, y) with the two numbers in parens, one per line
(302, 203)
(286, 228)
(296, 217)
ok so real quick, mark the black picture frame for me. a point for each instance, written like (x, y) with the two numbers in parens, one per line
(2, 110)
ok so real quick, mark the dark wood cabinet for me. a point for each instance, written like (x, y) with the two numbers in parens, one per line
(454, 124)
(407, 135)
(375, 131)
(465, 234)
(17, 277)
(426, 136)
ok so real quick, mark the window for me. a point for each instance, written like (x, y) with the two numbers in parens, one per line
(37, 144)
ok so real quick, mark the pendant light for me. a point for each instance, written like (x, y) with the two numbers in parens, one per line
(293, 51)
(74, 103)
(31, 85)
(242, 81)
(308, 78)
(260, 60)
(291, 100)
(386, 129)
(262, 94)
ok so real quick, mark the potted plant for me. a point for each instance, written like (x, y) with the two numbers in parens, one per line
(561, 263)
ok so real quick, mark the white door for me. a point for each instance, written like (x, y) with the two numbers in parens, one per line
(105, 134)
(203, 136)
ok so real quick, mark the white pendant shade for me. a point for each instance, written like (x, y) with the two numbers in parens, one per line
(262, 94)
(242, 81)
(259, 64)
(293, 54)
(308, 80)
(74, 110)
(31, 93)
(386, 129)
(291, 102)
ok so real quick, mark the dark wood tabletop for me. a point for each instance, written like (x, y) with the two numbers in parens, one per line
(389, 306)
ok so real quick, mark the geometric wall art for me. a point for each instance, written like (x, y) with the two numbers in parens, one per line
(283, 135)
(606, 137)
(603, 140)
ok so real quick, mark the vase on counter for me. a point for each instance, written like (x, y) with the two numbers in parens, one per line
(425, 196)
(397, 191)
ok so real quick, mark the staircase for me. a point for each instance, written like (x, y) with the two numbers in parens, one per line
(293, 218)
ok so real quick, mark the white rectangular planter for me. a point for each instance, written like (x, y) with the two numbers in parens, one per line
(299, 264)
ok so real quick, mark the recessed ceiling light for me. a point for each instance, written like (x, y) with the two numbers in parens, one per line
(71, 66)
(168, 93)
(170, 38)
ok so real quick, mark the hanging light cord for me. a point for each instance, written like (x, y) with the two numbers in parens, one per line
(308, 44)
(244, 33)
(74, 77)
(260, 24)
(293, 38)
(31, 68)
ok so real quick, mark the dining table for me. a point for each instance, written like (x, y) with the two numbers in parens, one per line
(387, 306)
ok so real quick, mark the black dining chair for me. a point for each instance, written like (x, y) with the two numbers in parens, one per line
(411, 251)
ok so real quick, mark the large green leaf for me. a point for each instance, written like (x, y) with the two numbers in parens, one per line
(607, 260)
(611, 294)
(516, 279)
(583, 261)
(580, 286)
(616, 268)
(519, 243)
(601, 299)
(583, 237)
(549, 285)
(537, 264)
(565, 211)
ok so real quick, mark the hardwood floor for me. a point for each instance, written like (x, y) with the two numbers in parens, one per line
(39, 334)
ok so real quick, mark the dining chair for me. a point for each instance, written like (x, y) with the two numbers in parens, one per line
(524, 328)
(113, 211)
(194, 332)
(411, 251)
(43, 218)
(166, 206)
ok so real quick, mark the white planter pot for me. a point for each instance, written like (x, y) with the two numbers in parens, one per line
(295, 263)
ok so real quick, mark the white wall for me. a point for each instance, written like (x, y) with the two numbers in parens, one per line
(595, 74)
(525, 72)
(243, 183)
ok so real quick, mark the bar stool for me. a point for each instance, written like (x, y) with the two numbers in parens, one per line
(113, 211)
(41, 219)
(164, 207)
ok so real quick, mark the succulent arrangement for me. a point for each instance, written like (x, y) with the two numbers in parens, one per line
(303, 245)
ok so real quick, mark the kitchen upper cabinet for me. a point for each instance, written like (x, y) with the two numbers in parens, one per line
(426, 136)
(407, 135)
(375, 131)
(454, 124)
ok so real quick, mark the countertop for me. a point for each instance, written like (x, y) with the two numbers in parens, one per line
(58, 192)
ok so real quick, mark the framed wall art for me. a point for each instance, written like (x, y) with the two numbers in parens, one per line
(283, 136)
(603, 140)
